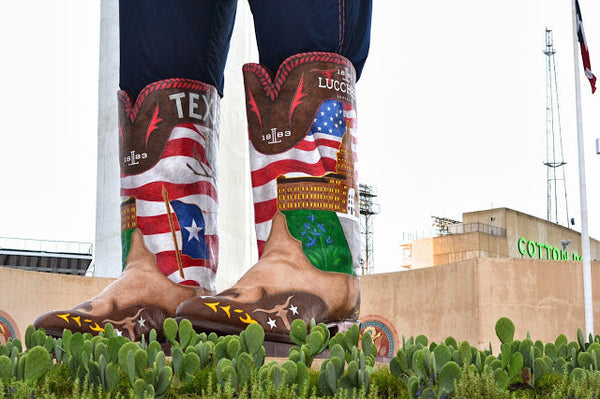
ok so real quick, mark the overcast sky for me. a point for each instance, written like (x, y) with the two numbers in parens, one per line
(451, 113)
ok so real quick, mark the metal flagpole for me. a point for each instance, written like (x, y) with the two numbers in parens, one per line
(585, 238)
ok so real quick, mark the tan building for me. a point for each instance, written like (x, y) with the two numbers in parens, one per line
(497, 233)
(495, 263)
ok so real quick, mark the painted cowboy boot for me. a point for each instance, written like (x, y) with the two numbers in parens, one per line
(302, 152)
(168, 143)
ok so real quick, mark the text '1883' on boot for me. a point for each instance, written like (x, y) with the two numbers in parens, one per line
(167, 156)
(302, 126)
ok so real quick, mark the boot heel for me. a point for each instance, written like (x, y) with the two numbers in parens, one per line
(341, 326)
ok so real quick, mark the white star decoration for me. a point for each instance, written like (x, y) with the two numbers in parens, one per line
(142, 322)
(272, 323)
(294, 309)
(119, 332)
(193, 230)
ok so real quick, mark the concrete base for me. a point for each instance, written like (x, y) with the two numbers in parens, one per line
(26, 295)
(463, 300)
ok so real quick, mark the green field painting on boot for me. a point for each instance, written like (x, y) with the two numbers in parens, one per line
(323, 239)
(125, 245)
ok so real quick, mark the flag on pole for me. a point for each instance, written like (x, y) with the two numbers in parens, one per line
(585, 55)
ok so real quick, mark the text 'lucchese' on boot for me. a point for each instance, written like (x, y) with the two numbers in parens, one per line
(302, 152)
(168, 143)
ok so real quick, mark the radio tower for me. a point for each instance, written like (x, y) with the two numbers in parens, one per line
(555, 176)
(368, 208)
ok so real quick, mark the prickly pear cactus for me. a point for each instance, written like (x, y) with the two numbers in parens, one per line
(310, 344)
(37, 363)
(505, 330)
(448, 376)
(5, 369)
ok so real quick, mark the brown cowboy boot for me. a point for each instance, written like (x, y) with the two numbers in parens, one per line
(301, 127)
(168, 217)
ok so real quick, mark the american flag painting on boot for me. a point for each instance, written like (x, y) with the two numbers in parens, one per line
(308, 161)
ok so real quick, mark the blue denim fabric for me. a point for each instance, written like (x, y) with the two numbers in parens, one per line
(173, 39)
(287, 27)
(190, 38)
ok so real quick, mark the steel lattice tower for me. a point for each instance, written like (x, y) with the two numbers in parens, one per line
(555, 176)
(368, 208)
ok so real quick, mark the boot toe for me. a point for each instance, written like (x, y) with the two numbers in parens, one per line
(55, 322)
(275, 313)
(131, 322)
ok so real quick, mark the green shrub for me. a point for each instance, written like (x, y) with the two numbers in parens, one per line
(473, 385)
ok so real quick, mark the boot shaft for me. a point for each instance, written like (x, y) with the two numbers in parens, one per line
(302, 152)
(167, 147)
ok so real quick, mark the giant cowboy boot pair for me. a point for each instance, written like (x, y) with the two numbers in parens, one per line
(301, 125)
(167, 142)
(301, 128)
